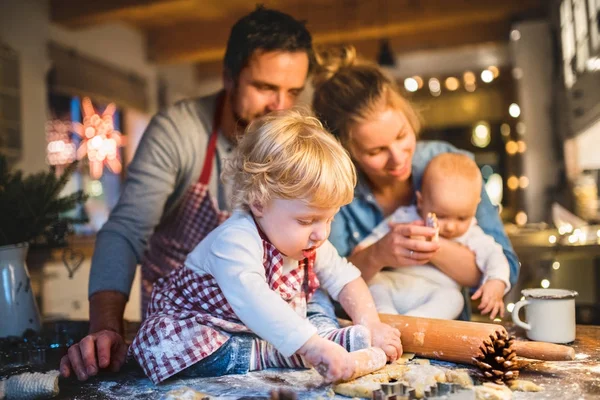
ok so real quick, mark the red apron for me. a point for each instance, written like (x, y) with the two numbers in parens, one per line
(195, 218)
(189, 318)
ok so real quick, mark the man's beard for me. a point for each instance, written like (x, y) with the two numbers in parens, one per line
(241, 122)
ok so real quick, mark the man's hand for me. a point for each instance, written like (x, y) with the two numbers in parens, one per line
(491, 293)
(104, 349)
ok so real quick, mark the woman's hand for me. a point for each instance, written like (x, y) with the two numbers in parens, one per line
(406, 244)
(458, 262)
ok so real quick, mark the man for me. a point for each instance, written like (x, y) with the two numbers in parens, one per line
(167, 205)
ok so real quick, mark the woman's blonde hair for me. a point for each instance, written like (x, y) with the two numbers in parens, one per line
(348, 91)
(289, 155)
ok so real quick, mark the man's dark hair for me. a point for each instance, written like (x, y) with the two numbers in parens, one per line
(267, 30)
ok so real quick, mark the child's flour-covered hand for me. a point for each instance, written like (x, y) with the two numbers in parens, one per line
(330, 359)
(388, 339)
(491, 293)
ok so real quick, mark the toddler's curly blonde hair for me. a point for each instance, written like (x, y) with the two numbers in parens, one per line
(289, 155)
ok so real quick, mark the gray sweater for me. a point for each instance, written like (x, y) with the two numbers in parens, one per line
(167, 161)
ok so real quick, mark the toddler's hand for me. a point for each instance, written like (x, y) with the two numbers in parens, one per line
(387, 338)
(491, 293)
(330, 359)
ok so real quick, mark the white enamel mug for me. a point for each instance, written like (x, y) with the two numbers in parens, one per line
(550, 314)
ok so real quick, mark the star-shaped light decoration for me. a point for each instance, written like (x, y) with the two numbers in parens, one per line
(60, 150)
(100, 140)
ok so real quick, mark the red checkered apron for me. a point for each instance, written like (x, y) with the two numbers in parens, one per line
(189, 318)
(195, 218)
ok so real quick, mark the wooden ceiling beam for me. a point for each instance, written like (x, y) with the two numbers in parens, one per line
(82, 13)
(339, 21)
(463, 35)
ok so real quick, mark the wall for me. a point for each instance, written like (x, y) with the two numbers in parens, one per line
(116, 44)
(180, 82)
(450, 61)
(24, 26)
(588, 143)
(532, 54)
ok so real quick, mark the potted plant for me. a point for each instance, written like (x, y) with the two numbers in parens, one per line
(32, 213)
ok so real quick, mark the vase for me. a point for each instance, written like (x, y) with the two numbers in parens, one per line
(18, 308)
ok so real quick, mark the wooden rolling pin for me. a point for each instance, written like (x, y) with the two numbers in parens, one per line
(543, 351)
(447, 340)
(460, 341)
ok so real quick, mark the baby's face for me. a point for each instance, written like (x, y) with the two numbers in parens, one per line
(454, 203)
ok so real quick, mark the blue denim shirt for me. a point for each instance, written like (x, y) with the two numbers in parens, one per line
(357, 219)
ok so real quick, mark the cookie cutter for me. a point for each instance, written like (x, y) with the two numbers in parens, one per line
(400, 391)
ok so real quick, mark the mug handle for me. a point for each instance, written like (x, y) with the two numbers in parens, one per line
(515, 314)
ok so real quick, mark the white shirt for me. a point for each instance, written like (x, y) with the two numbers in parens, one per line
(233, 255)
(489, 256)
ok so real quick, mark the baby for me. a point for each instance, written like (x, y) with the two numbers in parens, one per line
(239, 303)
(451, 190)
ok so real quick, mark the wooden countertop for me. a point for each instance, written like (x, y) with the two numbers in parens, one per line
(578, 379)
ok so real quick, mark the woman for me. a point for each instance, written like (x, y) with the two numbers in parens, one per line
(363, 107)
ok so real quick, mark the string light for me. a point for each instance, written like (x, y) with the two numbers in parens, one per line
(435, 87)
(521, 128)
(521, 146)
(555, 265)
(512, 182)
(545, 283)
(572, 239)
(60, 150)
(411, 84)
(505, 130)
(514, 110)
(521, 218)
(100, 140)
(419, 81)
(580, 236)
(487, 76)
(523, 182)
(512, 147)
(452, 83)
(565, 228)
(470, 87)
(469, 78)
(510, 307)
(494, 70)
(515, 35)
(481, 134)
